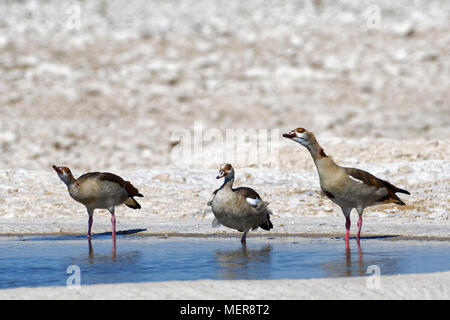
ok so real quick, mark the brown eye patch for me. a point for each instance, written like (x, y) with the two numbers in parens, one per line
(300, 130)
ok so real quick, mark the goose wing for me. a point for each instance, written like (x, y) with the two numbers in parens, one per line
(369, 179)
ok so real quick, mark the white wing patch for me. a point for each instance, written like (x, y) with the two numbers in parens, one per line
(253, 202)
(354, 179)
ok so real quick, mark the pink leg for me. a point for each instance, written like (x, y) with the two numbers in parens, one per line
(347, 231)
(359, 229)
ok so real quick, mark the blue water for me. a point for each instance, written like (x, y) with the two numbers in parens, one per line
(43, 261)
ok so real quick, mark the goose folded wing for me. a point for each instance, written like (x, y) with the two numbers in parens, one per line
(369, 179)
(250, 195)
(132, 191)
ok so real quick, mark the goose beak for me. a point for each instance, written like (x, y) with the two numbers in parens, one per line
(289, 135)
(57, 169)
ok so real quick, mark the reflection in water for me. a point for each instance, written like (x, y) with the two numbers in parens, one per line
(244, 263)
(355, 268)
(356, 263)
(91, 250)
(125, 257)
(42, 261)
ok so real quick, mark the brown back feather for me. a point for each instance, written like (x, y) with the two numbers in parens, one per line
(371, 180)
(132, 191)
(247, 192)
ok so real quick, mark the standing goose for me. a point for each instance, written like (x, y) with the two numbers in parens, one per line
(347, 187)
(99, 190)
(241, 208)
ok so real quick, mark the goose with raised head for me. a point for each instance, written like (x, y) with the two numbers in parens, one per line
(347, 187)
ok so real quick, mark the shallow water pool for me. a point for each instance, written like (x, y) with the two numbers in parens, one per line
(27, 261)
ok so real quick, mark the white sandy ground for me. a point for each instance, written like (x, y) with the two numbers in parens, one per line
(176, 207)
(36, 201)
(412, 286)
(110, 91)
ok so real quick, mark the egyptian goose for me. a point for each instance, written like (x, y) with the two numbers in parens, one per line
(347, 187)
(99, 190)
(241, 208)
